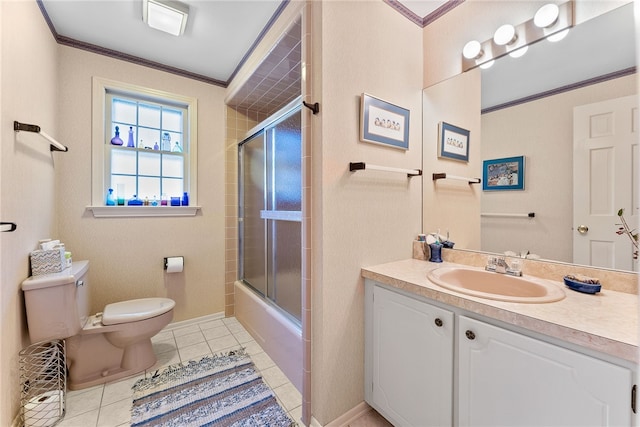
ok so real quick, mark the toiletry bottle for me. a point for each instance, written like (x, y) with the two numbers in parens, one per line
(185, 199)
(110, 200)
(130, 141)
(116, 139)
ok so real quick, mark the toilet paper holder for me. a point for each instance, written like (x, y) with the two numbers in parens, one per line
(177, 260)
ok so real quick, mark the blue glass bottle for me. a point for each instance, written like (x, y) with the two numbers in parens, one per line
(110, 200)
(185, 199)
(130, 142)
(116, 139)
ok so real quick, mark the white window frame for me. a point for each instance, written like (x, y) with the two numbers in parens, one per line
(98, 157)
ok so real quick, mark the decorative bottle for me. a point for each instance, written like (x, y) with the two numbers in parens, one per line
(177, 148)
(116, 139)
(130, 142)
(185, 199)
(110, 200)
(156, 146)
(166, 142)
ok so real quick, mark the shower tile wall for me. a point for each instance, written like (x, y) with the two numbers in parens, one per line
(238, 124)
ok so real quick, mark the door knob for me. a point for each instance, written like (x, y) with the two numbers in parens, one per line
(582, 229)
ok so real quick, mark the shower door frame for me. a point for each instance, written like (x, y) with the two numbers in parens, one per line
(269, 215)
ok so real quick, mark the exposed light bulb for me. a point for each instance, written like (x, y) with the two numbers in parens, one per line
(546, 16)
(472, 50)
(519, 52)
(558, 36)
(488, 64)
(504, 35)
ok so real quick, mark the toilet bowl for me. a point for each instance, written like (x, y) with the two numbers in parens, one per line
(107, 346)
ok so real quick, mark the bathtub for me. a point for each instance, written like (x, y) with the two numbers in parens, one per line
(277, 335)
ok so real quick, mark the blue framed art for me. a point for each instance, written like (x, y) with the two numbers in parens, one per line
(383, 123)
(503, 174)
(454, 142)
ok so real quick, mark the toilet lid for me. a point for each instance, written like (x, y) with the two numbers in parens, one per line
(135, 309)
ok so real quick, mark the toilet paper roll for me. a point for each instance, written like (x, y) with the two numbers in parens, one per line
(174, 264)
(44, 410)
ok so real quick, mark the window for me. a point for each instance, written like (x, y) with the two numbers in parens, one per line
(144, 149)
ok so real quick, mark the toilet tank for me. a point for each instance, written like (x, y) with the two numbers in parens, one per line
(58, 303)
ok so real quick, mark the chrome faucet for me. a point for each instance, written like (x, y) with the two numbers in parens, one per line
(500, 265)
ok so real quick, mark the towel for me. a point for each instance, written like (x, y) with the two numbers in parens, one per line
(583, 279)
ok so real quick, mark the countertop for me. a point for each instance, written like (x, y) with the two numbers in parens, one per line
(606, 322)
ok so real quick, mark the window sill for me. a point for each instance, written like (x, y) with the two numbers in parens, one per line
(142, 211)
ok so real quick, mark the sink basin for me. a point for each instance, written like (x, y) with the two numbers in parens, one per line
(496, 286)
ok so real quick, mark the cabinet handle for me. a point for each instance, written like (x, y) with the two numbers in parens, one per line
(470, 335)
(438, 322)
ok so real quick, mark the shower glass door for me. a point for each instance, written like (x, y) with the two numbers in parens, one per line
(271, 213)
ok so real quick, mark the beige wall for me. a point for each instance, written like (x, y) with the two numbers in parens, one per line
(29, 94)
(126, 254)
(365, 217)
(548, 150)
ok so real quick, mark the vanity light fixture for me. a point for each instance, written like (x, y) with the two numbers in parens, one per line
(550, 21)
(505, 35)
(519, 52)
(472, 50)
(546, 16)
(169, 16)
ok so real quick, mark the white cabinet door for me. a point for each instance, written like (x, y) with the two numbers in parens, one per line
(507, 379)
(412, 360)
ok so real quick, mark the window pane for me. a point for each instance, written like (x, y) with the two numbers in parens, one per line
(123, 161)
(148, 187)
(148, 137)
(173, 165)
(286, 193)
(172, 120)
(172, 187)
(149, 163)
(149, 115)
(174, 140)
(124, 111)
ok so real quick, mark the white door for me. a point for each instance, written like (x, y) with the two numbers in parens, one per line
(508, 379)
(605, 179)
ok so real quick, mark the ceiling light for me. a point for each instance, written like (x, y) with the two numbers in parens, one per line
(519, 52)
(165, 15)
(558, 36)
(504, 35)
(472, 50)
(546, 16)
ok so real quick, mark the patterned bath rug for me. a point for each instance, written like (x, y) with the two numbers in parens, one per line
(220, 391)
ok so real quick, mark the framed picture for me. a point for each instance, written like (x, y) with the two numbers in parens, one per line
(454, 142)
(503, 174)
(383, 123)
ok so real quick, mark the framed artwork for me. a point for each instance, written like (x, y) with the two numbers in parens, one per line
(383, 123)
(453, 142)
(503, 174)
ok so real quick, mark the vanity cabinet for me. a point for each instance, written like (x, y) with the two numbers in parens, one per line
(409, 359)
(429, 366)
(508, 379)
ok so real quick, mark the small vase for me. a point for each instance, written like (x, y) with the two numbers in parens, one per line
(130, 142)
(436, 252)
(116, 139)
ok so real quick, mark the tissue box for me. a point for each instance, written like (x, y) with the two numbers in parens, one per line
(47, 261)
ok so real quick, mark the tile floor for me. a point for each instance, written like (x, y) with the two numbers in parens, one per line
(109, 405)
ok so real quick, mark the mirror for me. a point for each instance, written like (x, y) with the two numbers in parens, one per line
(541, 130)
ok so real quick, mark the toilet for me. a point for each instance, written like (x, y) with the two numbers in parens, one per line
(103, 347)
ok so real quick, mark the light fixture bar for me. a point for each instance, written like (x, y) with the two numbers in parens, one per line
(525, 34)
(165, 15)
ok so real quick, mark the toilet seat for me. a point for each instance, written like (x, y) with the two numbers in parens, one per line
(135, 310)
